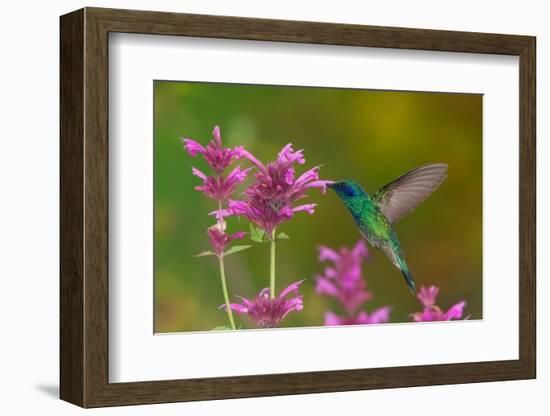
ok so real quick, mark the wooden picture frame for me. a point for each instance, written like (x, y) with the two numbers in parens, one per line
(84, 207)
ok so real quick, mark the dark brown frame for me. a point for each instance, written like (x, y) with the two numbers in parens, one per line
(84, 207)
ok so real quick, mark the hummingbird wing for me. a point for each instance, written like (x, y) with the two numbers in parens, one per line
(401, 196)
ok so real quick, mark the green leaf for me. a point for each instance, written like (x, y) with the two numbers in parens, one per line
(257, 234)
(283, 236)
(221, 328)
(236, 249)
(205, 253)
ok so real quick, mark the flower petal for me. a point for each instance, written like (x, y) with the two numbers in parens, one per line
(239, 235)
(331, 273)
(237, 175)
(287, 154)
(319, 184)
(193, 147)
(253, 159)
(360, 250)
(427, 296)
(217, 135)
(380, 315)
(291, 288)
(455, 311)
(326, 253)
(353, 298)
(289, 176)
(308, 176)
(331, 319)
(296, 303)
(198, 173)
(246, 302)
(238, 152)
(309, 208)
(238, 207)
(235, 307)
(325, 287)
(220, 214)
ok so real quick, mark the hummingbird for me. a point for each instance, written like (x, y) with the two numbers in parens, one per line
(376, 214)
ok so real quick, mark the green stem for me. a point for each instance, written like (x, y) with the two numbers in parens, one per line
(272, 267)
(222, 273)
(220, 220)
(225, 295)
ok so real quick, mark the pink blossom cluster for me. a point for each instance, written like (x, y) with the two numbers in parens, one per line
(343, 280)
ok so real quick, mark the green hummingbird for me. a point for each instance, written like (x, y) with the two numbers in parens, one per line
(376, 214)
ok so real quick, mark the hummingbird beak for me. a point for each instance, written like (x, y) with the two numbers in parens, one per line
(331, 185)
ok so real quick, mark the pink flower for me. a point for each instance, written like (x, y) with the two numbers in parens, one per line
(343, 280)
(266, 312)
(217, 156)
(427, 296)
(379, 316)
(270, 199)
(218, 187)
(431, 311)
(219, 239)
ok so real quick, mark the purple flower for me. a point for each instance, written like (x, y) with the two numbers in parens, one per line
(379, 316)
(343, 279)
(269, 201)
(219, 239)
(218, 187)
(266, 312)
(217, 156)
(431, 311)
(427, 296)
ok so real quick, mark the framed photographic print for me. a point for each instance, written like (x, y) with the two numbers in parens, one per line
(255, 207)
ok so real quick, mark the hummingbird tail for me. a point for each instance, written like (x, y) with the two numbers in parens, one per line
(396, 256)
(406, 274)
(409, 279)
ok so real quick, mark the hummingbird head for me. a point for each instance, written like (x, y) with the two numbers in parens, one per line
(347, 188)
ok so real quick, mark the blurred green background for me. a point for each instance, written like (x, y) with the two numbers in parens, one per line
(368, 135)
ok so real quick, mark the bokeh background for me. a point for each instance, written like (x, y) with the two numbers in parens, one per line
(368, 135)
